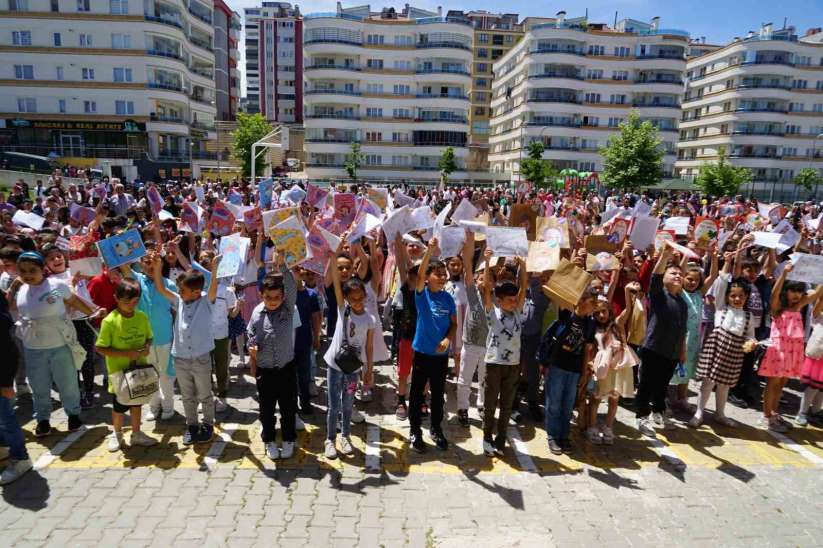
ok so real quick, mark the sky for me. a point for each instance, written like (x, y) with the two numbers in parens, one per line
(718, 20)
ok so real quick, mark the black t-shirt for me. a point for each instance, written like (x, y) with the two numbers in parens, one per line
(331, 311)
(407, 321)
(576, 333)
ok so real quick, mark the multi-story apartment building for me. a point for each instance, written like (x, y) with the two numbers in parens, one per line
(396, 82)
(274, 62)
(494, 35)
(761, 99)
(570, 83)
(107, 79)
(226, 74)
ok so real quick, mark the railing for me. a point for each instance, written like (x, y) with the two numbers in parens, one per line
(330, 140)
(160, 53)
(661, 56)
(775, 110)
(657, 32)
(443, 71)
(762, 86)
(332, 41)
(332, 92)
(203, 73)
(655, 105)
(163, 85)
(201, 125)
(553, 100)
(455, 45)
(200, 43)
(446, 119)
(333, 116)
(205, 18)
(769, 62)
(664, 81)
(334, 15)
(438, 19)
(754, 155)
(750, 132)
(168, 119)
(85, 151)
(202, 100)
(164, 21)
(580, 53)
(442, 96)
(334, 67)
(551, 123)
(570, 76)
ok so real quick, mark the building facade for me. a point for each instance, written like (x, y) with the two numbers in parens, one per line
(570, 84)
(760, 98)
(107, 79)
(396, 82)
(274, 62)
(226, 73)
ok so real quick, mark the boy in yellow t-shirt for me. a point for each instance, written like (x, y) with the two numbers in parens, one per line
(125, 337)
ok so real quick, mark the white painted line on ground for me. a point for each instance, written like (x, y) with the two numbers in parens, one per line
(665, 452)
(797, 448)
(372, 447)
(519, 447)
(219, 445)
(50, 456)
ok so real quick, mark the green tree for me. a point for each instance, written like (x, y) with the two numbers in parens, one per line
(535, 169)
(633, 158)
(722, 178)
(807, 178)
(353, 161)
(447, 164)
(250, 129)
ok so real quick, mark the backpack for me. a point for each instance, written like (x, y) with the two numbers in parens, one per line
(548, 342)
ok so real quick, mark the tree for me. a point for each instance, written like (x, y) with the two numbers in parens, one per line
(353, 161)
(535, 169)
(446, 164)
(722, 178)
(807, 178)
(250, 129)
(634, 157)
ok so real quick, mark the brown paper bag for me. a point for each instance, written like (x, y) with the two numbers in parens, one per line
(599, 243)
(542, 257)
(567, 285)
(524, 215)
(550, 229)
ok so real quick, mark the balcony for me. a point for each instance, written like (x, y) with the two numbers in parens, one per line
(568, 100)
(773, 156)
(333, 116)
(442, 96)
(202, 126)
(202, 100)
(442, 118)
(775, 110)
(454, 45)
(332, 41)
(201, 43)
(758, 132)
(205, 18)
(673, 81)
(154, 117)
(537, 122)
(442, 71)
(661, 56)
(784, 62)
(763, 86)
(570, 75)
(655, 105)
(578, 52)
(333, 92)
(164, 53)
(164, 21)
(164, 85)
(334, 67)
(202, 72)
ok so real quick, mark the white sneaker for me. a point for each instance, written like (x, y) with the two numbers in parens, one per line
(4, 452)
(298, 423)
(272, 451)
(220, 405)
(14, 470)
(152, 414)
(593, 435)
(357, 417)
(696, 421)
(167, 415)
(646, 428)
(115, 442)
(140, 439)
(658, 420)
(331, 450)
(668, 424)
(287, 451)
(346, 446)
(488, 448)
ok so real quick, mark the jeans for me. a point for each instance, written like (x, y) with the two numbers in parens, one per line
(20, 376)
(277, 386)
(220, 363)
(341, 388)
(501, 383)
(86, 338)
(471, 360)
(47, 366)
(194, 378)
(302, 366)
(561, 391)
(10, 432)
(164, 398)
(530, 370)
(431, 369)
(655, 373)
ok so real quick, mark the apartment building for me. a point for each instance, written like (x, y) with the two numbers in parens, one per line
(274, 61)
(397, 82)
(118, 80)
(570, 83)
(226, 73)
(761, 99)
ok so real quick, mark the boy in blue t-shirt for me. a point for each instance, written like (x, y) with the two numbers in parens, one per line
(436, 324)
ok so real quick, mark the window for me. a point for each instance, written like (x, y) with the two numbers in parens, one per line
(399, 137)
(792, 129)
(85, 40)
(88, 73)
(496, 53)
(615, 122)
(61, 106)
(509, 38)
(796, 107)
(591, 121)
(55, 5)
(402, 89)
(26, 104)
(483, 67)
(483, 38)
(483, 53)
(89, 107)
(497, 39)
(83, 5)
(817, 107)
(122, 74)
(800, 84)
(373, 159)
(403, 40)
(400, 160)
(481, 82)
(376, 64)
(375, 39)
(616, 99)
(620, 75)
(592, 98)
(59, 73)
(374, 88)
(24, 72)
(479, 111)
(121, 41)
(374, 136)
(402, 65)
(621, 51)
(594, 74)
(373, 112)
(124, 107)
(58, 39)
(597, 50)
(819, 85)
(119, 7)
(19, 5)
(401, 113)
(21, 38)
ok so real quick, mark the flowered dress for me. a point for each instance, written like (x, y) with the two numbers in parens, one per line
(694, 302)
(812, 373)
(784, 358)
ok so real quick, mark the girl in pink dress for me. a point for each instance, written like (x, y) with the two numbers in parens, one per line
(812, 374)
(784, 358)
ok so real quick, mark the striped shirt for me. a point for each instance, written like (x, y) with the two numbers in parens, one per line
(272, 331)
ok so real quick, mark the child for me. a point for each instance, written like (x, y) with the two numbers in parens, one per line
(223, 304)
(436, 325)
(784, 357)
(192, 346)
(457, 289)
(566, 346)
(812, 373)
(11, 435)
(405, 326)
(721, 358)
(357, 328)
(271, 355)
(475, 333)
(306, 337)
(125, 337)
(505, 322)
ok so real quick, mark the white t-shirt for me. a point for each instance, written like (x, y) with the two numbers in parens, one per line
(503, 340)
(81, 290)
(359, 325)
(42, 302)
(458, 292)
(220, 311)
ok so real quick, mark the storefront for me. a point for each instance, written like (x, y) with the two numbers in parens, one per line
(75, 139)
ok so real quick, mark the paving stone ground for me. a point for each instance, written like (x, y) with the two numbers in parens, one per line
(715, 485)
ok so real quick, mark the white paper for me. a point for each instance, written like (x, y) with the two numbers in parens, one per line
(451, 241)
(368, 223)
(29, 219)
(508, 241)
(234, 249)
(807, 268)
(641, 209)
(402, 199)
(680, 225)
(164, 215)
(465, 211)
(643, 232)
(814, 224)
(769, 240)
(790, 235)
(764, 209)
(474, 226)
(396, 223)
(608, 214)
(331, 239)
(682, 249)
(422, 218)
(88, 266)
(542, 256)
(199, 193)
(440, 221)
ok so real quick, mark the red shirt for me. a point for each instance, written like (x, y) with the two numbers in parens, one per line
(101, 290)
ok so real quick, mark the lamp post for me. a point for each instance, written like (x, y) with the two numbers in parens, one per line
(191, 162)
(522, 145)
(811, 159)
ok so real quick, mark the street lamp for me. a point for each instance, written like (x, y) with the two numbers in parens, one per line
(191, 162)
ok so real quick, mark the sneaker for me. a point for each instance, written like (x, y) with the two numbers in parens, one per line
(298, 423)
(167, 415)
(424, 410)
(608, 436)
(646, 427)
(357, 417)
(190, 435)
(658, 420)
(287, 451)
(566, 445)
(345, 445)
(140, 439)
(499, 446)
(695, 421)
(801, 419)
(593, 435)
(514, 418)
(153, 414)
(763, 422)
(43, 429)
(783, 421)
(738, 402)
(115, 442)
(14, 470)
(4, 452)
(417, 443)
(554, 447)
(86, 400)
(272, 451)
(366, 395)
(331, 450)
(776, 426)
(220, 405)
(440, 440)
(668, 424)
(22, 389)
(488, 448)
(725, 421)
(463, 417)
(75, 423)
(401, 412)
(205, 433)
